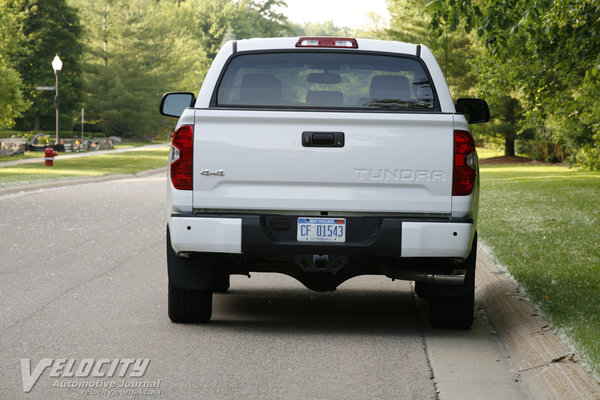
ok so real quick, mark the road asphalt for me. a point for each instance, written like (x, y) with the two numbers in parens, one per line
(545, 365)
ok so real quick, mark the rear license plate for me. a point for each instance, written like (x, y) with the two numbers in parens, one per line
(321, 229)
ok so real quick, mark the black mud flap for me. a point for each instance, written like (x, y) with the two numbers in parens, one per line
(195, 272)
(469, 284)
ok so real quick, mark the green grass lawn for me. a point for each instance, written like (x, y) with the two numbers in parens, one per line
(98, 165)
(40, 154)
(131, 145)
(28, 154)
(484, 152)
(543, 224)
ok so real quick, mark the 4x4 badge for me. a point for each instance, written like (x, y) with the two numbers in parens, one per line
(210, 173)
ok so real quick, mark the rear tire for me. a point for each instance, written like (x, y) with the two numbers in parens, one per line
(189, 305)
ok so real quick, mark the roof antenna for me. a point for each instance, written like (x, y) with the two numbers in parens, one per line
(446, 40)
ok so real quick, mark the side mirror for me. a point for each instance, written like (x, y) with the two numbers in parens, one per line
(475, 110)
(173, 103)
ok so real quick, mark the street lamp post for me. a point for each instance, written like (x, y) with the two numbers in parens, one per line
(57, 66)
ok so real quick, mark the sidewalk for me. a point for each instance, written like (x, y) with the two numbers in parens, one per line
(66, 156)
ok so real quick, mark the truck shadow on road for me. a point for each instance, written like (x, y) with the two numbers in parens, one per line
(346, 311)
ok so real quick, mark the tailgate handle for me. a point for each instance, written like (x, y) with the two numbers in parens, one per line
(323, 139)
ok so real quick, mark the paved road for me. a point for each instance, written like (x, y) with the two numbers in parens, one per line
(83, 278)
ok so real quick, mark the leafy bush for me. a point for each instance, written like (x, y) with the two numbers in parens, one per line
(589, 158)
(9, 134)
(541, 150)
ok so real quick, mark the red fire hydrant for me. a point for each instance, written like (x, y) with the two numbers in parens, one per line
(49, 155)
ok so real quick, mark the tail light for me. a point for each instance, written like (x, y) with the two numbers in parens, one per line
(182, 152)
(465, 164)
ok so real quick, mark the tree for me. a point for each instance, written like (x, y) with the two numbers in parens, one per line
(12, 103)
(139, 49)
(259, 18)
(546, 54)
(212, 19)
(326, 28)
(43, 29)
(218, 20)
(410, 23)
(509, 116)
(136, 51)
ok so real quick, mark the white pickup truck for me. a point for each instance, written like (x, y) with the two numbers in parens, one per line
(324, 159)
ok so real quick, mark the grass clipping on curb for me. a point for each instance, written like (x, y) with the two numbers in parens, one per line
(83, 167)
(543, 224)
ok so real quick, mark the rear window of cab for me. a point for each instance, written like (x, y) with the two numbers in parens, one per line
(317, 79)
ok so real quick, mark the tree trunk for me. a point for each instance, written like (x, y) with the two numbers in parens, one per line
(509, 145)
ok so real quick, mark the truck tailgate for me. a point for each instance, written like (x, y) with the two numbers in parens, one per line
(389, 162)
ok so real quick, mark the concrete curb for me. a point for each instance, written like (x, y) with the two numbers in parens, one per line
(70, 182)
(545, 364)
